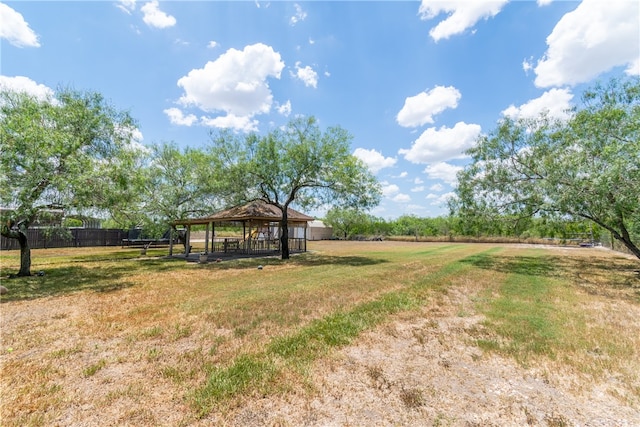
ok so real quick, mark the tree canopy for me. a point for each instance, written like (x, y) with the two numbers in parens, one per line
(299, 164)
(175, 184)
(585, 167)
(70, 151)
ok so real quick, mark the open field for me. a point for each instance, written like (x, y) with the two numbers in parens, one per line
(350, 333)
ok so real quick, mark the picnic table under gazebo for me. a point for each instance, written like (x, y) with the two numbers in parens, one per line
(260, 224)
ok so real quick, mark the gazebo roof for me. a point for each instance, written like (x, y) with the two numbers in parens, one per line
(256, 210)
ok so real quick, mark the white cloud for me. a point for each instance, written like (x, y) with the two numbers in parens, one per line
(418, 181)
(417, 189)
(443, 171)
(285, 109)
(212, 44)
(554, 102)
(127, 6)
(436, 145)
(15, 29)
(389, 190)
(235, 83)
(177, 117)
(306, 74)
(461, 14)
(25, 84)
(300, 15)
(592, 39)
(374, 159)
(440, 199)
(403, 174)
(436, 187)
(231, 121)
(401, 198)
(420, 109)
(544, 2)
(154, 17)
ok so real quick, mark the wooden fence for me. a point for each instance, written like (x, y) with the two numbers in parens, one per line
(73, 237)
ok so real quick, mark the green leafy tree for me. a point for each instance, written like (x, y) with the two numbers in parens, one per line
(347, 222)
(176, 184)
(72, 152)
(587, 167)
(299, 164)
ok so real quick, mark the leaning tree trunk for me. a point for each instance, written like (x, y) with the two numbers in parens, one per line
(284, 235)
(20, 234)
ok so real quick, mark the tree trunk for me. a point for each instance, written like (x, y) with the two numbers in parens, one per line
(284, 234)
(25, 254)
(630, 246)
(25, 251)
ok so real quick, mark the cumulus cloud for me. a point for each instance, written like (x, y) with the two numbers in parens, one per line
(461, 14)
(392, 192)
(154, 17)
(436, 187)
(440, 199)
(555, 102)
(231, 121)
(235, 83)
(436, 145)
(443, 171)
(401, 198)
(389, 190)
(592, 39)
(300, 15)
(25, 84)
(285, 109)
(177, 117)
(212, 44)
(417, 189)
(306, 74)
(420, 109)
(374, 160)
(15, 29)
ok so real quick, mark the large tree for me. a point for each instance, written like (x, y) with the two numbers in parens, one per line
(70, 151)
(177, 183)
(585, 167)
(298, 164)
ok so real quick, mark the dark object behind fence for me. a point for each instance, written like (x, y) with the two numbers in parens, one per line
(75, 238)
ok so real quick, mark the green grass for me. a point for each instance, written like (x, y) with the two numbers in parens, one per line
(523, 314)
(335, 330)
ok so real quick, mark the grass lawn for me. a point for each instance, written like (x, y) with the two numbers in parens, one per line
(107, 337)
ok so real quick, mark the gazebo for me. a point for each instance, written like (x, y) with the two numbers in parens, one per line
(260, 224)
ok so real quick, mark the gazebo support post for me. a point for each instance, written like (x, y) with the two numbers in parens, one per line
(171, 241)
(206, 239)
(187, 246)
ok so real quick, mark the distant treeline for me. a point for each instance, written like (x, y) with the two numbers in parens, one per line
(350, 225)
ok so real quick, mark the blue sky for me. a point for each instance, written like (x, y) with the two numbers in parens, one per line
(415, 83)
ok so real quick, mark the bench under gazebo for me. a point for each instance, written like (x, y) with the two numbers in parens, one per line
(260, 225)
